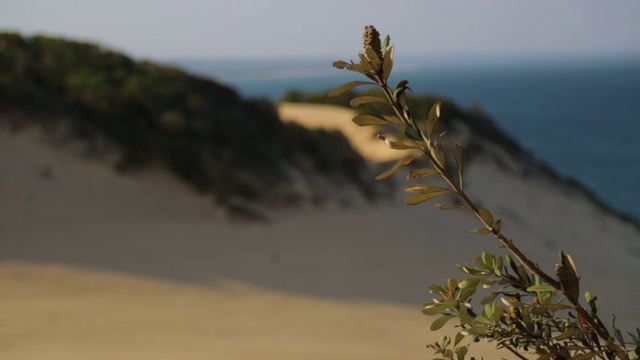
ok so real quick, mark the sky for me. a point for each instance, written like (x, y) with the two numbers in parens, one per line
(220, 29)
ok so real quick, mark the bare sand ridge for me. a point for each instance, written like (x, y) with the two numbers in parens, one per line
(99, 265)
(319, 116)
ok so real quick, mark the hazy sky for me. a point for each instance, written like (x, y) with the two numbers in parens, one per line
(162, 29)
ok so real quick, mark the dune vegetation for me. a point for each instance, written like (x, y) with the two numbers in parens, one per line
(234, 148)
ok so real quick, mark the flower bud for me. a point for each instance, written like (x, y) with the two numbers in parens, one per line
(371, 38)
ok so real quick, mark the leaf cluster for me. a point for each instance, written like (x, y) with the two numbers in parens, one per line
(520, 314)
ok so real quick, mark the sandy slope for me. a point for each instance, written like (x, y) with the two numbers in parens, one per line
(56, 312)
(319, 116)
(99, 265)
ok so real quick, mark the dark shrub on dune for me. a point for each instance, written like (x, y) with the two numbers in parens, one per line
(233, 148)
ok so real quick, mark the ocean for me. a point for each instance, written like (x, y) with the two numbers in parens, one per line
(581, 117)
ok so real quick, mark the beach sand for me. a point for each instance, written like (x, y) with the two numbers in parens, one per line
(101, 265)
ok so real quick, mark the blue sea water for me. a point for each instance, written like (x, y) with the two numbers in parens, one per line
(580, 117)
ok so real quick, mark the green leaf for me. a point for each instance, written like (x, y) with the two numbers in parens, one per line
(461, 352)
(432, 119)
(588, 296)
(366, 120)
(444, 341)
(489, 298)
(618, 335)
(373, 57)
(340, 64)
(497, 267)
(486, 283)
(567, 334)
(472, 271)
(385, 45)
(617, 332)
(357, 68)
(476, 330)
(435, 309)
(348, 86)
(396, 145)
(459, 337)
(497, 314)
(457, 154)
(488, 259)
(450, 207)
(522, 273)
(467, 292)
(485, 216)
(421, 173)
(437, 152)
(417, 199)
(452, 283)
(399, 164)
(511, 263)
(425, 189)
(387, 63)
(438, 323)
(365, 64)
(362, 100)
(392, 119)
(489, 309)
(400, 92)
(541, 288)
(570, 263)
(466, 282)
(479, 231)
(512, 302)
(435, 289)
(568, 276)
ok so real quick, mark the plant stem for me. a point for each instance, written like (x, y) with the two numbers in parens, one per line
(507, 243)
(460, 192)
(514, 352)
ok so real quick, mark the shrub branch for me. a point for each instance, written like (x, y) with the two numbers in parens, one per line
(517, 326)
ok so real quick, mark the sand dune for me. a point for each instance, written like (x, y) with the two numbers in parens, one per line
(320, 116)
(97, 264)
(57, 312)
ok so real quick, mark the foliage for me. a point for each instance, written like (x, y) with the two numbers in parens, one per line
(528, 312)
(204, 132)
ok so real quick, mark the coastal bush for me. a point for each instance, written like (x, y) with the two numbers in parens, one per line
(528, 312)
